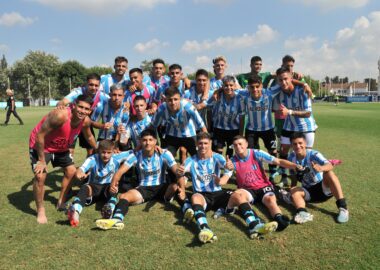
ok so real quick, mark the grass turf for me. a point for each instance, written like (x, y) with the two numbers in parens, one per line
(154, 238)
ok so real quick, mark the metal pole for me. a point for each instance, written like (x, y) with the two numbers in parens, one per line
(70, 83)
(30, 97)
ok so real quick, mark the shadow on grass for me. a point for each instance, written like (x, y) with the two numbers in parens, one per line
(322, 210)
(21, 199)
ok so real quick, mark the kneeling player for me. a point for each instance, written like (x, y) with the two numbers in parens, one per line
(151, 167)
(100, 168)
(319, 182)
(253, 184)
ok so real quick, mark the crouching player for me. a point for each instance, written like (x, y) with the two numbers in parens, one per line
(253, 185)
(151, 167)
(100, 168)
(319, 182)
(205, 169)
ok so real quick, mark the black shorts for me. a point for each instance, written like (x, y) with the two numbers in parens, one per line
(316, 193)
(82, 140)
(268, 137)
(258, 195)
(216, 200)
(152, 192)
(61, 159)
(288, 133)
(99, 191)
(173, 143)
(224, 137)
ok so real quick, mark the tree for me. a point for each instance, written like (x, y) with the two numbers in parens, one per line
(314, 84)
(191, 76)
(71, 74)
(146, 66)
(39, 67)
(327, 79)
(3, 63)
(99, 70)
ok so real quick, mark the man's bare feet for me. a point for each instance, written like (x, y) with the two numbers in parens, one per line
(41, 216)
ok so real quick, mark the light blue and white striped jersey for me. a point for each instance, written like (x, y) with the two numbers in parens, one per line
(107, 80)
(313, 177)
(192, 95)
(203, 172)
(157, 83)
(99, 100)
(108, 114)
(160, 93)
(183, 124)
(260, 111)
(136, 127)
(151, 170)
(298, 100)
(226, 114)
(103, 173)
(215, 84)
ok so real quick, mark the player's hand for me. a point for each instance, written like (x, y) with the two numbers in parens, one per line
(316, 167)
(151, 111)
(127, 105)
(187, 83)
(158, 149)
(40, 167)
(284, 111)
(116, 150)
(121, 128)
(180, 170)
(107, 125)
(113, 188)
(61, 105)
(308, 91)
(132, 88)
(82, 175)
(229, 164)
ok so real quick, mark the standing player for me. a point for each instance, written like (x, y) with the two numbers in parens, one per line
(151, 167)
(50, 140)
(319, 182)
(200, 93)
(256, 65)
(139, 122)
(158, 76)
(11, 105)
(227, 114)
(98, 99)
(253, 185)
(119, 76)
(176, 75)
(140, 89)
(113, 114)
(99, 168)
(220, 66)
(182, 121)
(296, 106)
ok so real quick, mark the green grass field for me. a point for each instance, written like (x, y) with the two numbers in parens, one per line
(154, 238)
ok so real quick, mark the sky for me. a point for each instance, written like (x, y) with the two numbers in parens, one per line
(326, 37)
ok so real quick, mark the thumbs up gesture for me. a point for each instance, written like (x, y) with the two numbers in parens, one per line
(229, 164)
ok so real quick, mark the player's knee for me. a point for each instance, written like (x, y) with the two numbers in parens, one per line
(269, 200)
(39, 179)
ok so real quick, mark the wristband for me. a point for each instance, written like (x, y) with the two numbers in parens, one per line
(290, 112)
(305, 84)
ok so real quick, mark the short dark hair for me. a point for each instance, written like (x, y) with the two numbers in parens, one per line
(203, 135)
(133, 70)
(175, 66)
(148, 132)
(297, 135)
(137, 98)
(255, 59)
(201, 72)
(288, 58)
(238, 137)
(158, 61)
(254, 79)
(84, 98)
(93, 76)
(106, 145)
(120, 59)
(282, 70)
(171, 91)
